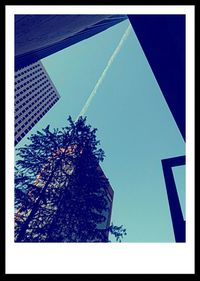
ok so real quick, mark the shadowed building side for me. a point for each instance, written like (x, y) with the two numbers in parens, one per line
(162, 38)
(109, 197)
(38, 36)
(178, 222)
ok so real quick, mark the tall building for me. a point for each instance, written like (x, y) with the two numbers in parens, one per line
(35, 94)
(38, 36)
(162, 38)
(109, 197)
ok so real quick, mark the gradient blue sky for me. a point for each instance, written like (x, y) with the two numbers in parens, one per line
(135, 127)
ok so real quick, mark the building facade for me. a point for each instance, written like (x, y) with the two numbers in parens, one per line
(109, 198)
(38, 36)
(35, 94)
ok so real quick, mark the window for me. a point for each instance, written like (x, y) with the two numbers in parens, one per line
(18, 139)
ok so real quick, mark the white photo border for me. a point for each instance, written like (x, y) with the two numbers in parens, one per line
(58, 258)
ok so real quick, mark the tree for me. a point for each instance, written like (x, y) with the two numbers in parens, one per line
(60, 189)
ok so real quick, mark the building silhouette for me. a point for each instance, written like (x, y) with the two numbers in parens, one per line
(109, 198)
(38, 36)
(35, 94)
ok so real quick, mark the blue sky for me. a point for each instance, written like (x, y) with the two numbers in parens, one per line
(135, 127)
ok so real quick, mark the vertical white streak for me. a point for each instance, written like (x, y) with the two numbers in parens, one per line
(94, 91)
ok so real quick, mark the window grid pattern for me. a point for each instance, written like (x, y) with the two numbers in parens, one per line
(18, 138)
(34, 106)
(25, 94)
(23, 89)
(26, 79)
(34, 98)
(36, 113)
(35, 95)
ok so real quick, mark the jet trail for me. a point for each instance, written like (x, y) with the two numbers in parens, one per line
(94, 91)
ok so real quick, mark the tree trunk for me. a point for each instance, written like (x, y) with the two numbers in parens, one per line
(24, 227)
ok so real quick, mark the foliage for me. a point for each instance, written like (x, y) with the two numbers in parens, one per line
(60, 189)
(118, 232)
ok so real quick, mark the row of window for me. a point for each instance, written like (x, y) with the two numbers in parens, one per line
(32, 116)
(33, 108)
(29, 106)
(34, 91)
(33, 84)
(24, 92)
(26, 71)
(30, 75)
(33, 98)
(29, 82)
(34, 122)
(20, 113)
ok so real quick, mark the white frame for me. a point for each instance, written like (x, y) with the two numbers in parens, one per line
(103, 257)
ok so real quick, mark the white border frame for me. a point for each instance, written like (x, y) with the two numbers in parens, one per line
(108, 257)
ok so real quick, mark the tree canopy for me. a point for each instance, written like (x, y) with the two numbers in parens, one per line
(61, 192)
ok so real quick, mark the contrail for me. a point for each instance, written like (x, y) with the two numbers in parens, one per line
(94, 91)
